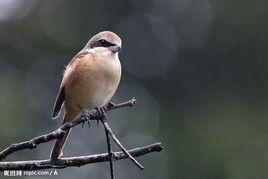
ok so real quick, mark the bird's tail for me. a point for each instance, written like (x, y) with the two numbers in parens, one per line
(56, 151)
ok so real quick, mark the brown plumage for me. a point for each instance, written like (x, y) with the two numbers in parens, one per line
(90, 80)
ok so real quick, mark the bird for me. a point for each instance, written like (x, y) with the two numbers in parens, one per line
(89, 82)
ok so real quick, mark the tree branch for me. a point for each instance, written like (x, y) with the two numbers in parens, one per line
(99, 115)
(58, 133)
(110, 152)
(77, 161)
(118, 143)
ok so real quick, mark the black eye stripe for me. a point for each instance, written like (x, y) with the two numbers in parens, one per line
(102, 43)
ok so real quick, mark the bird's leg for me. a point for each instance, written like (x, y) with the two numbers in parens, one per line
(102, 113)
(108, 106)
(85, 116)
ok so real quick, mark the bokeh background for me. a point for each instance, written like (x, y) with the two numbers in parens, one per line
(198, 69)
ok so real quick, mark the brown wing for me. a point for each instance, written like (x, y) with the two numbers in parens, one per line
(61, 95)
(81, 54)
(58, 103)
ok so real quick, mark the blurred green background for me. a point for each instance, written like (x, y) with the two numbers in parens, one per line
(197, 67)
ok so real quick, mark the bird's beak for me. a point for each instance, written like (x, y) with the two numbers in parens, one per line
(115, 48)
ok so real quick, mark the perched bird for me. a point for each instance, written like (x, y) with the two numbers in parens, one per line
(90, 80)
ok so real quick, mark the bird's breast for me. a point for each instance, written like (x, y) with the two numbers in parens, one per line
(95, 82)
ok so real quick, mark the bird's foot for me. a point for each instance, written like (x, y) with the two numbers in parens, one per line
(108, 106)
(102, 112)
(86, 116)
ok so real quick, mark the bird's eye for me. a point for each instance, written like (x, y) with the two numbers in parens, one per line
(102, 41)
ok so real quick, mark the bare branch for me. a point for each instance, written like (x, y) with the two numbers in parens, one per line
(82, 160)
(30, 144)
(77, 161)
(58, 133)
(108, 129)
(110, 152)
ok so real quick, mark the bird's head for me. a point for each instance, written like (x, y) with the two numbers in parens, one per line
(105, 39)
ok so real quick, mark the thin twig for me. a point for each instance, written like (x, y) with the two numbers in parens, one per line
(58, 133)
(77, 161)
(129, 103)
(110, 153)
(107, 127)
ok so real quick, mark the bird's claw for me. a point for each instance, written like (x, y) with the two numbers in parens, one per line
(109, 105)
(102, 112)
(85, 116)
(83, 123)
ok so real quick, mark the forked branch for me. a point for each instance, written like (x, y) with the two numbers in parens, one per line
(58, 133)
(81, 160)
